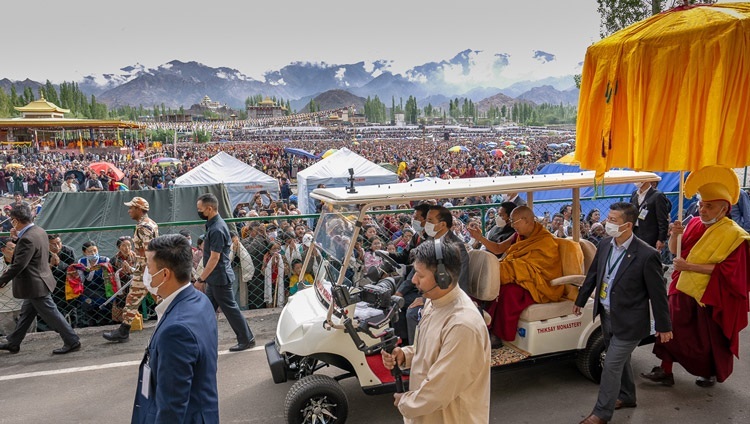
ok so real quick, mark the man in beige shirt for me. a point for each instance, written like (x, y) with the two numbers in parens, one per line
(450, 358)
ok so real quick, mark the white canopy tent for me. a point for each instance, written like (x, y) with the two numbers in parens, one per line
(241, 180)
(333, 171)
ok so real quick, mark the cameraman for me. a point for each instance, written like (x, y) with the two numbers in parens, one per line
(450, 358)
(406, 289)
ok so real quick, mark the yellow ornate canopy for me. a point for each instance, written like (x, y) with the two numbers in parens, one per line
(669, 93)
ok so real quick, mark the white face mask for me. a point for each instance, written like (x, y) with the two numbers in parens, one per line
(147, 282)
(429, 228)
(638, 185)
(416, 225)
(613, 230)
(715, 219)
(500, 222)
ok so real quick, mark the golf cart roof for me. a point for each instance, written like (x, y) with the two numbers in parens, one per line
(388, 194)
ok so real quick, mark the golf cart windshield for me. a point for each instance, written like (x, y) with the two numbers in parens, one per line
(333, 235)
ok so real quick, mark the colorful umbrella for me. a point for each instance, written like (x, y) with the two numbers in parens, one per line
(491, 145)
(328, 152)
(355, 143)
(14, 166)
(569, 159)
(165, 161)
(456, 149)
(669, 93)
(509, 143)
(107, 167)
(553, 146)
(497, 153)
(523, 147)
(524, 153)
(122, 187)
(564, 144)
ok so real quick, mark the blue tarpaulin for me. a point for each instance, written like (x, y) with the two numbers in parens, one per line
(670, 182)
(299, 152)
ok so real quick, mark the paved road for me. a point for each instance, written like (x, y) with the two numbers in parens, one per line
(97, 385)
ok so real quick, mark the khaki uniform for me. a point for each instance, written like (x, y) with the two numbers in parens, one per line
(145, 231)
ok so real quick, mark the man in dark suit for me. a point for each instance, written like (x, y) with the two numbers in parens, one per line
(625, 275)
(177, 377)
(653, 208)
(33, 282)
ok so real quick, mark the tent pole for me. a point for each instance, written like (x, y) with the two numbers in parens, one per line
(680, 212)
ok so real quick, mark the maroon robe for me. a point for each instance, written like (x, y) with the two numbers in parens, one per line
(705, 338)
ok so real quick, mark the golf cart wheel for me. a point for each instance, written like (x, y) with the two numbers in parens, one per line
(590, 361)
(316, 399)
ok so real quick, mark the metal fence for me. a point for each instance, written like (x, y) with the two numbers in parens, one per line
(260, 278)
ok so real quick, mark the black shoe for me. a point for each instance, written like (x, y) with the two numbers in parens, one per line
(10, 348)
(244, 346)
(495, 342)
(67, 349)
(120, 335)
(706, 381)
(657, 375)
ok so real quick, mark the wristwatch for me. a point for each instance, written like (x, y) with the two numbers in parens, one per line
(200, 280)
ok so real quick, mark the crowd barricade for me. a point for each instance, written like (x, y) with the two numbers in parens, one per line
(89, 308)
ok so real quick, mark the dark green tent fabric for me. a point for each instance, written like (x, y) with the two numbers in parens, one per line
(103, 209)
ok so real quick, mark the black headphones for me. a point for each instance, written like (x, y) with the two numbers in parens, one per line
(442, 278)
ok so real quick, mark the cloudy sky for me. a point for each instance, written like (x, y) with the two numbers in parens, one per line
(70, 39)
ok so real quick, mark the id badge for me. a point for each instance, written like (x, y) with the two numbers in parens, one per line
(643, 214)
(146, 382)
(603, 292)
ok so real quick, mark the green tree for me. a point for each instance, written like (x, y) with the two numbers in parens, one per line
(50, 93)
(618, 14)
(5, 105)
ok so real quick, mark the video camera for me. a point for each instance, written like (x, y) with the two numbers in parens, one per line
(378, 295)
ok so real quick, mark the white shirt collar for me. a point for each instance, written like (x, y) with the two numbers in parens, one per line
(164, 304)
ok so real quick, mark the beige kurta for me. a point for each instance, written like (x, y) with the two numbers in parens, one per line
(450, 364)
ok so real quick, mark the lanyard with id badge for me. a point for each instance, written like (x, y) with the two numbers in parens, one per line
(146, 374)
(609, 267)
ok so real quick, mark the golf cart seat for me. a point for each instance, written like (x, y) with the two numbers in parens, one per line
(484, 275)
(575, 259)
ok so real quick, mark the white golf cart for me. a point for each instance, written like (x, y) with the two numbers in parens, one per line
(345, 325)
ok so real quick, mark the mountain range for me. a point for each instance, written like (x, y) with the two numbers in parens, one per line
(470, 74)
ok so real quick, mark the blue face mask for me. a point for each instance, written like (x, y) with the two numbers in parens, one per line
(92, 259)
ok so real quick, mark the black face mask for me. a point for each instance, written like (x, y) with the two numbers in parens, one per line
(202, 216)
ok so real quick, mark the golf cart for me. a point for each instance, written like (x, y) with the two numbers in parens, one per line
(344, 323)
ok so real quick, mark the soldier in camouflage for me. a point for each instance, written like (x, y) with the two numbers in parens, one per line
(145, 231)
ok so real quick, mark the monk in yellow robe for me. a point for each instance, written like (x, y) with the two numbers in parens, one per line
(531, 261)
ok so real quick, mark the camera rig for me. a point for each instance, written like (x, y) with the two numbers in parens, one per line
(380, 297)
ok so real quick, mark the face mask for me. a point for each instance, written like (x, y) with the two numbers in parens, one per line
(715, 219)
(500, 222)
(93, 259)
(147, 282)
(416, 225)
(202, 216)
(429, 228)
(272, 235)
(638, 185)
(613, 230)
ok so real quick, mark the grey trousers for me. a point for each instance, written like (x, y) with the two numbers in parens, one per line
(617, 376)
(223, 297)
(44, 307)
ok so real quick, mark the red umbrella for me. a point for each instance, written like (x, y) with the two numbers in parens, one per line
(107, 167)
(497, 152)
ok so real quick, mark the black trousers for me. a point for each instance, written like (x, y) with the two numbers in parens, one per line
(223, 297)
(45, 308)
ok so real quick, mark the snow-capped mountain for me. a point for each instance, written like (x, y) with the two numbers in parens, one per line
(473, 74)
